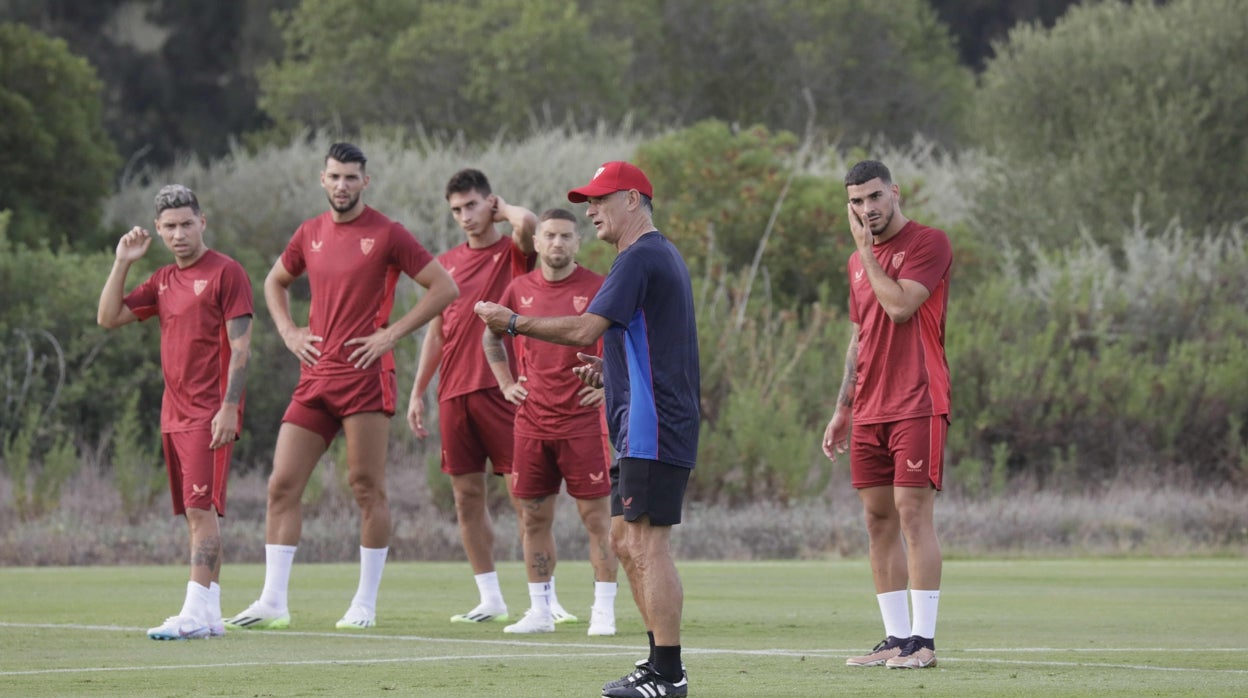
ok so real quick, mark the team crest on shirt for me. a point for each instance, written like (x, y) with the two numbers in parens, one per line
(316, 245)
(200, 285)
(366, 245)
(579, 302)
(897, 259)
(526, 301)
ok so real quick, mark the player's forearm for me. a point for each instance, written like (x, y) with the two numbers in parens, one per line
(239, 331)
(845, 398)
(496, 357)
(888, 292)
(523, 225)
(112, 296)
(430, 358)
(571, 330)
(278, 301)
(439, 295)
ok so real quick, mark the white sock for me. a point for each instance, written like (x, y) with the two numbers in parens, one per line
(925, 605)
(491, 594)
(372, 563)
(214, 601)
(540, 598)
(277, 563)
(554, 598)
(197, 602)
(896, 612)
(604, 595)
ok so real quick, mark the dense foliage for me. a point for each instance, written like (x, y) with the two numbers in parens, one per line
(1089, 368)
(1120, 111)
(486, 67)
(58, 163)
(180, 75)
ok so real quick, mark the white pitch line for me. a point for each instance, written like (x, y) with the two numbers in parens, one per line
(610, 651)
(300, 662)
(1093, 665)
(1093, 650)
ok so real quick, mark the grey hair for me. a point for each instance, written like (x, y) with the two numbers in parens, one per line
(176, 196)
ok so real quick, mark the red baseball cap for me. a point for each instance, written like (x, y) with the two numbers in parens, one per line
(610, 178)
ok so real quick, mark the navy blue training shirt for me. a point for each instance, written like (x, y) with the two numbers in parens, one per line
(650, 353)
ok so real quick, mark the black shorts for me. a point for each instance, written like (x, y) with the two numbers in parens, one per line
(640, 486)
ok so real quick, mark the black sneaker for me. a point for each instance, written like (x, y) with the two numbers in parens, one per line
(641, 670)
(650, 686)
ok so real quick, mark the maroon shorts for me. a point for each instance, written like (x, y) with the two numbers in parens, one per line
(907, 453)
(197, 474)
(320, 404)
(540, 465)
(474, 427)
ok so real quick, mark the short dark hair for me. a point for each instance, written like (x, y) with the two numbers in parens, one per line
(346, 152)
(468, 180)
(176, 196)
(866, 171)
(561, 214)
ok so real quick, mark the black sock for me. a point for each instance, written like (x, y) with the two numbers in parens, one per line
(667, 662)
(651, 636)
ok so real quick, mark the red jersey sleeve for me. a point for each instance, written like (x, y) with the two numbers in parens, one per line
(410, 256)
(292, 256)
(142, 300)
(236, 295)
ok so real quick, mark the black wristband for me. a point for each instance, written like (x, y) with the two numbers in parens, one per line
(511, 324)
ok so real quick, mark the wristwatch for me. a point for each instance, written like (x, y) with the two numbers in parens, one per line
(511, 324)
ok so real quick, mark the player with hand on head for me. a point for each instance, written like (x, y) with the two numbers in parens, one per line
(474, 419)
(892, 413)
(204, 304)
(559, 427)
(644, 314)
(353, 256)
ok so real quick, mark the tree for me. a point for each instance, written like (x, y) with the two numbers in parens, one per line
(473, 67)
(978, 23)
(58, 161)
(179, 75)
(870, 68)
(718, 190)
(484, 66)
(1119, 110)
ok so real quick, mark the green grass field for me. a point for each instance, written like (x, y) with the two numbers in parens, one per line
(1137, 627)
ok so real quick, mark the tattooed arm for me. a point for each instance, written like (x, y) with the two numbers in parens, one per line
(225, 423)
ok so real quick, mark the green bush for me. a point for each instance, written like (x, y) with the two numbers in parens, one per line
(717, 190)
(1120, 112)
(1088, 368)
(53, 355)
(38, 461)
(766, 393)
(138, 470)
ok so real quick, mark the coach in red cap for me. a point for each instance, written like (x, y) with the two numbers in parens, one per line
(649, 367)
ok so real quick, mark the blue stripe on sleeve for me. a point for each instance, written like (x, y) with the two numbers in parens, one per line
(643, 417)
